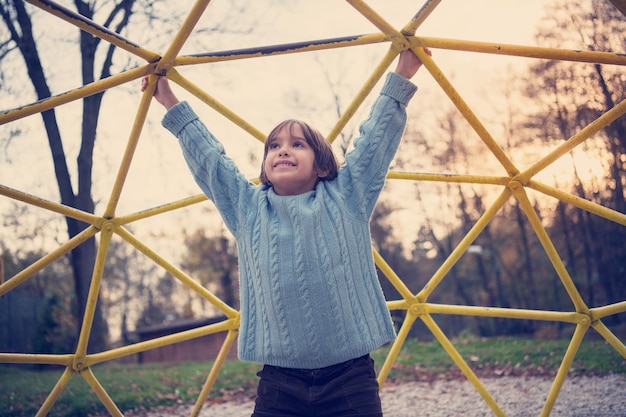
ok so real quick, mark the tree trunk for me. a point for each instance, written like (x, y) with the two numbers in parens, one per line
(82, 257)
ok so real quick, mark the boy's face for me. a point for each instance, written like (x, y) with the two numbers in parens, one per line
(290, 162)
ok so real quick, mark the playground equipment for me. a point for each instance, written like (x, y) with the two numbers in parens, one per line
(416, 305)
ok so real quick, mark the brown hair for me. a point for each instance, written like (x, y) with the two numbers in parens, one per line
(325, 160)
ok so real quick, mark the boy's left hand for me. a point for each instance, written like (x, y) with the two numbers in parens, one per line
(409, 63)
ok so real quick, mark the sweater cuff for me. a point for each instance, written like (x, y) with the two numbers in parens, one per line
(178, 116)
(398, 88)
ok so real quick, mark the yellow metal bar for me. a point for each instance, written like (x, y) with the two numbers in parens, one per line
(415, 41)
(392, 356)
(28, 272)
(548, 246)
(397, 38)
(76, 94)
(216, 105)
(421, 16)
(101, 393)
(92, 297)
(608, 310)
(398, 304)
(579, 202)
(360, 97)
(461, 364)
(185, 279)
(165, 208)
(179, 40)
(451, 260)
(281, 49)
(393, 278)
(584, 134)
(49, 205)
(566, 364)
(610, 337)
(55, 393)
(215, 369)
(42, 359)
(226, 325)
(509, 313)
(465, 110)
(131, 146)
(609, 58)
(93, 28)
(452, 178)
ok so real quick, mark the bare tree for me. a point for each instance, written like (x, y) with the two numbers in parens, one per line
(38, 316)
(575, 95)
(18, 40)
(96, 63)
(213, 261)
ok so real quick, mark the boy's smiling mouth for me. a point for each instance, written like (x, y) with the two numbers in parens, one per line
(284, 164)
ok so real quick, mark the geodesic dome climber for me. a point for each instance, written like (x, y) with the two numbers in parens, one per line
(514, 184)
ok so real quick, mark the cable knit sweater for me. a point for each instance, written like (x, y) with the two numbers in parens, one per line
(309, 293)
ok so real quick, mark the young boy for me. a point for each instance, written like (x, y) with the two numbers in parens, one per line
(312, 308)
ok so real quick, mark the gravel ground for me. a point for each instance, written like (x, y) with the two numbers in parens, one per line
(516, 396)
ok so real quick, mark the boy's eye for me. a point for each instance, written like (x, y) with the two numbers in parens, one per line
(273, 145)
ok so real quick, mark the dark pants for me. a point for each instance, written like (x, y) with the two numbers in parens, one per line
(348, 389)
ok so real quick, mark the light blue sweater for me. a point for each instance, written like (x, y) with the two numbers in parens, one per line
(309, 293)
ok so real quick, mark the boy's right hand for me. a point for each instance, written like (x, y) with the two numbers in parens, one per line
(163, 92)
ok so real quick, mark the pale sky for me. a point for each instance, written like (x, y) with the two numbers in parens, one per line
(260, 90)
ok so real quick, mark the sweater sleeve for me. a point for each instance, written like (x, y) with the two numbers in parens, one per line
(363, 175)
(215, 173)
